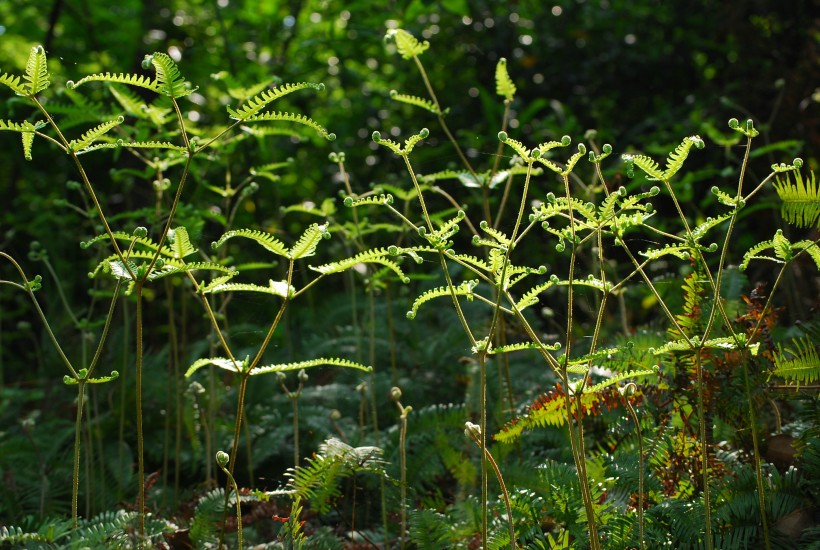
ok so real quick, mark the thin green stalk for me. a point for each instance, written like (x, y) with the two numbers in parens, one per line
(761, 495)
(395, 395)
(75, 480)
(138, 398)
(221, 460)
(631, 388)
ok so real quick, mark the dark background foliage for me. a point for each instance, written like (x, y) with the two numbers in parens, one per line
(642, 74)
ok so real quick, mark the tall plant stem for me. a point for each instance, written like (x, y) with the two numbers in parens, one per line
(761, 495)
(75, 481)
(138, 398)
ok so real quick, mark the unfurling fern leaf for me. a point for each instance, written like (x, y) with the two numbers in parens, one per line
(274, 288)
(13, 82)
(140, 81)
(800, 363)
(676, 157)
(94, 134)
(376, 256)
(504, 85)
(291, 117)
(260, 101)
(36, 71)
(407, 44)
(425, 104)
(299, 365)
(464, 289)
(801, 199)
(266, 240)
(171, 82)
(307, 243)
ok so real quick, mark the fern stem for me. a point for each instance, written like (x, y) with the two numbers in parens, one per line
(761, 496)
(704, 451)
(138, 398)
(631, 388)
(504, 493)
(75, 480)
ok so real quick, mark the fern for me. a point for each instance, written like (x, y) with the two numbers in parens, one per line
(376, 256)
(464, 289)
(800, 363)
(139, 81)
(299, 365)
(265, 240)
(151, 145)
(208, 517)
(259, 102)
(425, 104)
(649, 166)
(221, 362)
(307, 243)
(318, 481)
(382, 199)
(676, 157)
(801, 199)
(274, 288)
(94, 134)
(291, 117)
(504, 85)
(407, 44)
(169, 78)
(13, 82)
(36, 71)
(17, 536)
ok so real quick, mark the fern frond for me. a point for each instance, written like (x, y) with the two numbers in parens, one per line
(522, 346)
(530, 298)
(221, 362)
(152, 145)
(675, 160)
(464, 289)
(801, 199)
(811, 248)
(172, 269)
(407, 44)
(680, 250)
(726, 198)
(128, 100)
(649, 166)
(618, 378)
(274, 288)
(376, 256)
(299, 365)
(140, 81)
(416, 101)
(94, 134)
(260, 101)
(701, 230)
(17, 536)
(516, 146)
(28, 141)
(799, 363)
(13, 82)
(495, 234)
(307, 243)
(180, 242)
(122, 236)
(266, 240)
(382, 199)
(504, 85)
(37, 71)
(779, 244)
(292, 117)
(170, 80)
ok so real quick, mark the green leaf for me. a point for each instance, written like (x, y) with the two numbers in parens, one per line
(291, 117)
(799, 362)
(801, 199)
(407, 44)
(307, 243)
(375, 256)
(464, 289)
(266, 240)
(504, 85)
(171, 82)
(259, 102)
(221, 362)
(94, 134)
(13, 82)
(274, 288)
(140, 81)
(36, 71)
(676, 157)
(180, 243)
(299, 365)
(416, 101)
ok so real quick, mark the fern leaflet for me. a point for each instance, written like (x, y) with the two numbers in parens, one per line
(800, 363)
(801, 199)
(93, 134)
(407, 44)
(292, 117)
(504, 85)
(259, 102)
(416, 101)
(307, 243)
(464, 289)
(13, 82)
(140, 81)
(266, 240)
(274, 288)
(299, 365)
(37, 71)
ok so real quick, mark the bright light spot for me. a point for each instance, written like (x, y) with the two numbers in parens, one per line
(345, 15)
(2, 29)
(383, 113)
(155, 35)
(514, 123)
(178, 20)
(370, 160)
(538, 78)
(372, 63)
(473, 92)
(391, 24)
(315, 17)
(514, 17)
(489, 23)
(630, 39)
(289, 21)
(434, 18)
(395, 131)
(556, 10)
(361, 269)
(333, 70)
(223, 3)
(193, 116)
(199, 99)
(525, 39)
(175, 53)
(467, 20)
(332, 60)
